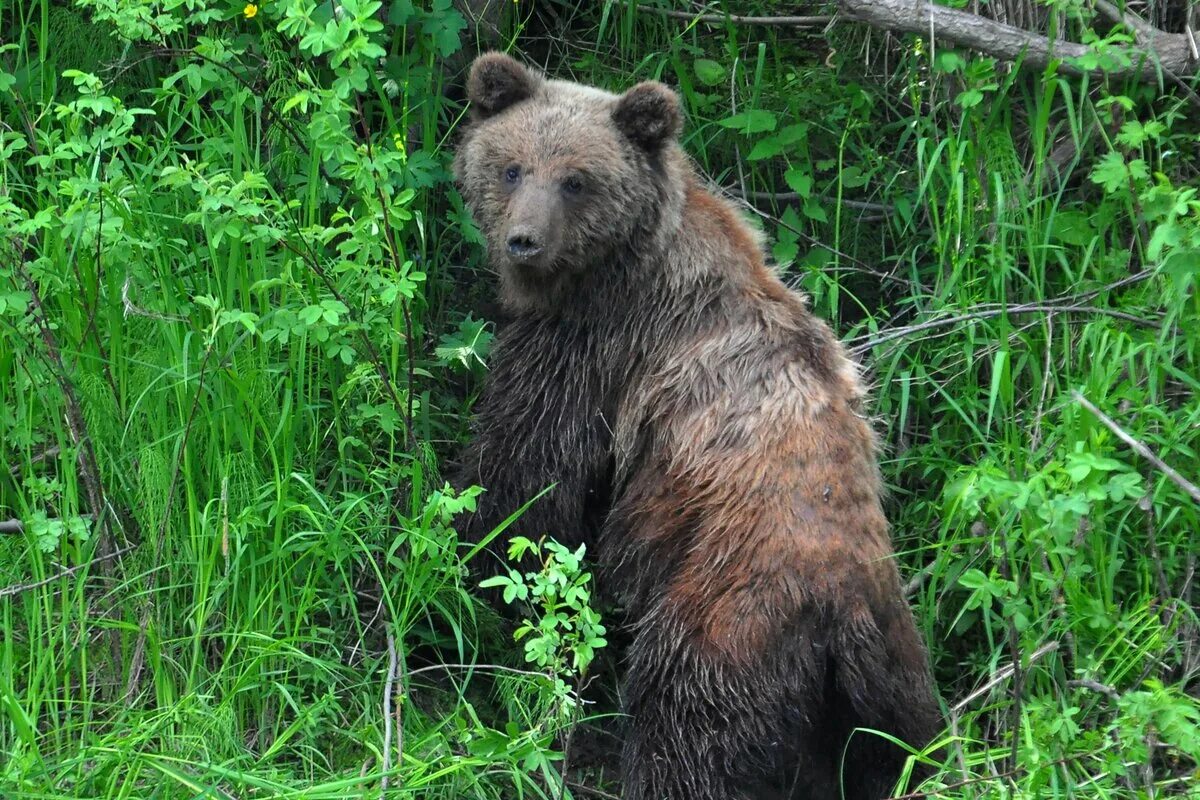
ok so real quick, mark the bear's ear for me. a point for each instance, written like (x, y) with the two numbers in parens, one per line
(649, 115)
(497, 81)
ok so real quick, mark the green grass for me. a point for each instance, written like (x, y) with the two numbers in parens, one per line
(261, 294)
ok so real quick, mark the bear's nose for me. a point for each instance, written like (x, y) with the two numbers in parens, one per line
(523, 246)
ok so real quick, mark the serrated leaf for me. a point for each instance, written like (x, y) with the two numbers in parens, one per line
(709, 72)
(798, 181)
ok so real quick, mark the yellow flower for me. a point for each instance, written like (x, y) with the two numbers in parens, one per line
(250, 10)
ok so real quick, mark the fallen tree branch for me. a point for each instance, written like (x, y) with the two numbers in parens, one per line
(1155, 53)
(1142, 450)
(11, 526)
(740, 19)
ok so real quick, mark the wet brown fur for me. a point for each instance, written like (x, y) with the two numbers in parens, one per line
(705, 434)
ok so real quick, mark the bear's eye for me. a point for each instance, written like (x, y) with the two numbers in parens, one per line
(573, 185)
(512, 174)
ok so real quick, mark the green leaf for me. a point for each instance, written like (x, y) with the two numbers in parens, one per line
(974, 579)
(1073, 227)
(755, 121)
(709, 72)
(799, 181)
(1111, 173)
(812, 210)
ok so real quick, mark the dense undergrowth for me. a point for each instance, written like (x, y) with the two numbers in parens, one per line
(243, 317)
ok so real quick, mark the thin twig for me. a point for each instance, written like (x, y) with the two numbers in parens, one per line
(1146, 505)
(1142, 450)
(917, 581)
(1003, 675)
(49, 452)
(979, 779)
(865, 343)
(589, 790)
(1095, 686)
(9, 591)
(861, 205)
(720, 19)
(477, 668)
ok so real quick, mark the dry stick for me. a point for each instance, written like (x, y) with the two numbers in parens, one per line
(11, 526)
(9, 591)
(1146, 505)
(721, 19)
(387, 712)
(1142, 450)
(915, 583)
(865, 343)
(49, 452)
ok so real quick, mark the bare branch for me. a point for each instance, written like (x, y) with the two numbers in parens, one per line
(1142, 450)
(11, 526)
(1095, 686)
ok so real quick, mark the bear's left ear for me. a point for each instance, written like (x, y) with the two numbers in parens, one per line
(649, 114)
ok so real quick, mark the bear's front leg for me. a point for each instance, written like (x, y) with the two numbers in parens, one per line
(539, 426)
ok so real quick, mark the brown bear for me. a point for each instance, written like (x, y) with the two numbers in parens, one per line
(704, 435)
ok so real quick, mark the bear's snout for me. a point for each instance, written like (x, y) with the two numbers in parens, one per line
(534, 221)
(524, 245)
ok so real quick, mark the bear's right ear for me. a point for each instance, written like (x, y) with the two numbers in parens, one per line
(649, 115)
(497, 81)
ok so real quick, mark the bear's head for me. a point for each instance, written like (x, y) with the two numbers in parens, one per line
(562, 178)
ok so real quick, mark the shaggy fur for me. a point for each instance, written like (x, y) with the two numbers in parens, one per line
(704, 436)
